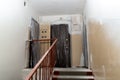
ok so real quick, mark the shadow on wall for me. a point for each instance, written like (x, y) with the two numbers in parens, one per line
(105, 53)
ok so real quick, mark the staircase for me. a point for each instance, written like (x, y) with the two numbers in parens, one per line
(72, 74)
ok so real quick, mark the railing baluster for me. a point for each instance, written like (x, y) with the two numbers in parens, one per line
(45, 73)
(32, 78)
(39, 73)
(44, 68)
(36, 76)
(48, 65)
(42, 73)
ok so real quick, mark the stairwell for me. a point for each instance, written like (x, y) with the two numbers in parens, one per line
(72, 74)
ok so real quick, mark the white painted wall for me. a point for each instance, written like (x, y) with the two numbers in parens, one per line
(71, 20)
(14, 20)
(103, 9)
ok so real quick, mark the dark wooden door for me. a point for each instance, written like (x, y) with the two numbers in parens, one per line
(63, 56)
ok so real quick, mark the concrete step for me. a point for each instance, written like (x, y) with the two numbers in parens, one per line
(67, 77)
(72, 74)
(72, 71)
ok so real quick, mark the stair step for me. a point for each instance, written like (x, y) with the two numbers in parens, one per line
(72, 70)
(71, 73)
(73, 77)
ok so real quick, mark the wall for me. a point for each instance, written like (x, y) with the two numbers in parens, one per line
(103, 9)
(103, 18)
(75, 31)
(14, 20)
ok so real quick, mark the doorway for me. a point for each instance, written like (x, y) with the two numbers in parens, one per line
(63, 56)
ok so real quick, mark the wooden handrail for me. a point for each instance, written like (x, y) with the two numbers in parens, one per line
(49, 54)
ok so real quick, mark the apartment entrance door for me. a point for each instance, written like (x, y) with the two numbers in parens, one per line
(63, 56)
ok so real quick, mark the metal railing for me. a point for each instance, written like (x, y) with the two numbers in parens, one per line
(44, 68)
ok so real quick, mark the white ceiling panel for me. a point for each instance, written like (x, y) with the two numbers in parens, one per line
(56, 7)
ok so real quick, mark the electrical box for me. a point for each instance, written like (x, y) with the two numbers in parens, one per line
(45, 31)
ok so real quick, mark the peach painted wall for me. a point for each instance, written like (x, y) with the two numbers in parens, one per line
(104, 49)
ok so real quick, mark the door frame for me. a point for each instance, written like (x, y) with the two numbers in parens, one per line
(86, 53)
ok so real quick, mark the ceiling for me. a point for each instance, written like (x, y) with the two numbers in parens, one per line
(56, 7)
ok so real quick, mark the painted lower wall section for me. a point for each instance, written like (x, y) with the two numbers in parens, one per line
(104, 49)
(76, 45)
